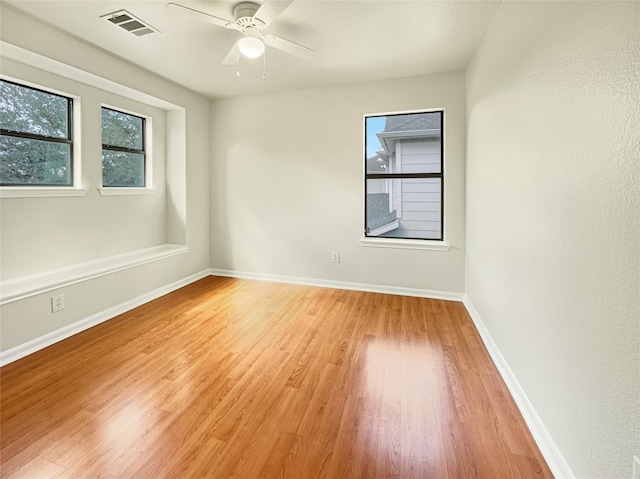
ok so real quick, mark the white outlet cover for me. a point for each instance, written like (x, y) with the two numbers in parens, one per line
(636, 467)
(57, 303)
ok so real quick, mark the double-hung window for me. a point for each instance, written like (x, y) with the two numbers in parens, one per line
(36, 140)
(123, 149)
(404, 179)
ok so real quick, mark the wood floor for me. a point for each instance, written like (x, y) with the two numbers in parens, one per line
(247, 379)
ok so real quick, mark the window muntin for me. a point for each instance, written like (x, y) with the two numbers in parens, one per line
(123, 149)
(404, 176)
(36, 140)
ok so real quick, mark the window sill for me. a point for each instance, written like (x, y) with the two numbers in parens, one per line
(40, 191)
(26, 286)
(404, 244)
(126, 191)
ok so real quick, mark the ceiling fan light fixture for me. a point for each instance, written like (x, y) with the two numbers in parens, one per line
(251, 47)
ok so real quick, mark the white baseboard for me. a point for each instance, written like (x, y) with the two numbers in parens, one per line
(326, 283)
(555, 460)
(48, 339)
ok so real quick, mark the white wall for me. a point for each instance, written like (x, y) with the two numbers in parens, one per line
(93, 226)
(553, 228)
(287, 184)
(39, 234)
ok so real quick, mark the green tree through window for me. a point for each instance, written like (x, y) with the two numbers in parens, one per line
(123, 149)
(36, 144)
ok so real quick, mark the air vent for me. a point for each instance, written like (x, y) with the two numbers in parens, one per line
(130, 23)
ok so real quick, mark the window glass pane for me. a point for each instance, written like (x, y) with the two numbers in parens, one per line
(376, 160)
(122, 169)
(27, 161)
(404, 208)
(380, 211)
(404, 143)
(121, 129)
(26, 110)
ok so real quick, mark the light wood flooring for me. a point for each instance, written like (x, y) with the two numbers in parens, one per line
(247, 379)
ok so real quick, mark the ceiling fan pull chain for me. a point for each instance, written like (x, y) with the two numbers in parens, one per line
(264, 65)
(238, 63)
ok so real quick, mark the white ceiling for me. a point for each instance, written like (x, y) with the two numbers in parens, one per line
(354, 40)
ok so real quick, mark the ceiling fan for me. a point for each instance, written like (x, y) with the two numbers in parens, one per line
(251, 20)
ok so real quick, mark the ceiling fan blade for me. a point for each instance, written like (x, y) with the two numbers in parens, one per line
(289, 47)
(232, 57)
(221, 22)
(270, 9)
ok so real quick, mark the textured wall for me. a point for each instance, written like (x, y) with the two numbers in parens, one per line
(553, 222)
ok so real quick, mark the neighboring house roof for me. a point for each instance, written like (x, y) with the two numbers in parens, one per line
(376, 164)
(412, 122)
(378, 210)
(408, 125)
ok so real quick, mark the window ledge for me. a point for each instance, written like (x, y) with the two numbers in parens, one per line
(125, 191)
(405, 244)
(40, 191)
(26, 286)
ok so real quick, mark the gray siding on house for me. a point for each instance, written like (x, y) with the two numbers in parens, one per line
(420, 210)
(420, 155)
(377, 186)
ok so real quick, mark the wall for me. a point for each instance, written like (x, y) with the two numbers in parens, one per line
(40, 234)
(288, 186)
(553, 229)
(94, 225)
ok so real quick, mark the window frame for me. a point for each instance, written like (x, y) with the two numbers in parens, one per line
(406, 242)
(72, 109)
(146, 187)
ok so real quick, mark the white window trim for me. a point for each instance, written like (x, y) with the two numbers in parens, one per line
(38, 191)
(125, 191)
(431, 245)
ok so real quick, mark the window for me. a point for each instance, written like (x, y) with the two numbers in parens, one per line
(123, 149)
(36, 143)
(404, 176)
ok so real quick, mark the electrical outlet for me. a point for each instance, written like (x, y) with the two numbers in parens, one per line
(57, 303)
(636, 467)
(335, 257)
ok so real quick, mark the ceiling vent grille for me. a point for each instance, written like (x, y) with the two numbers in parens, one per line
(130, 23)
